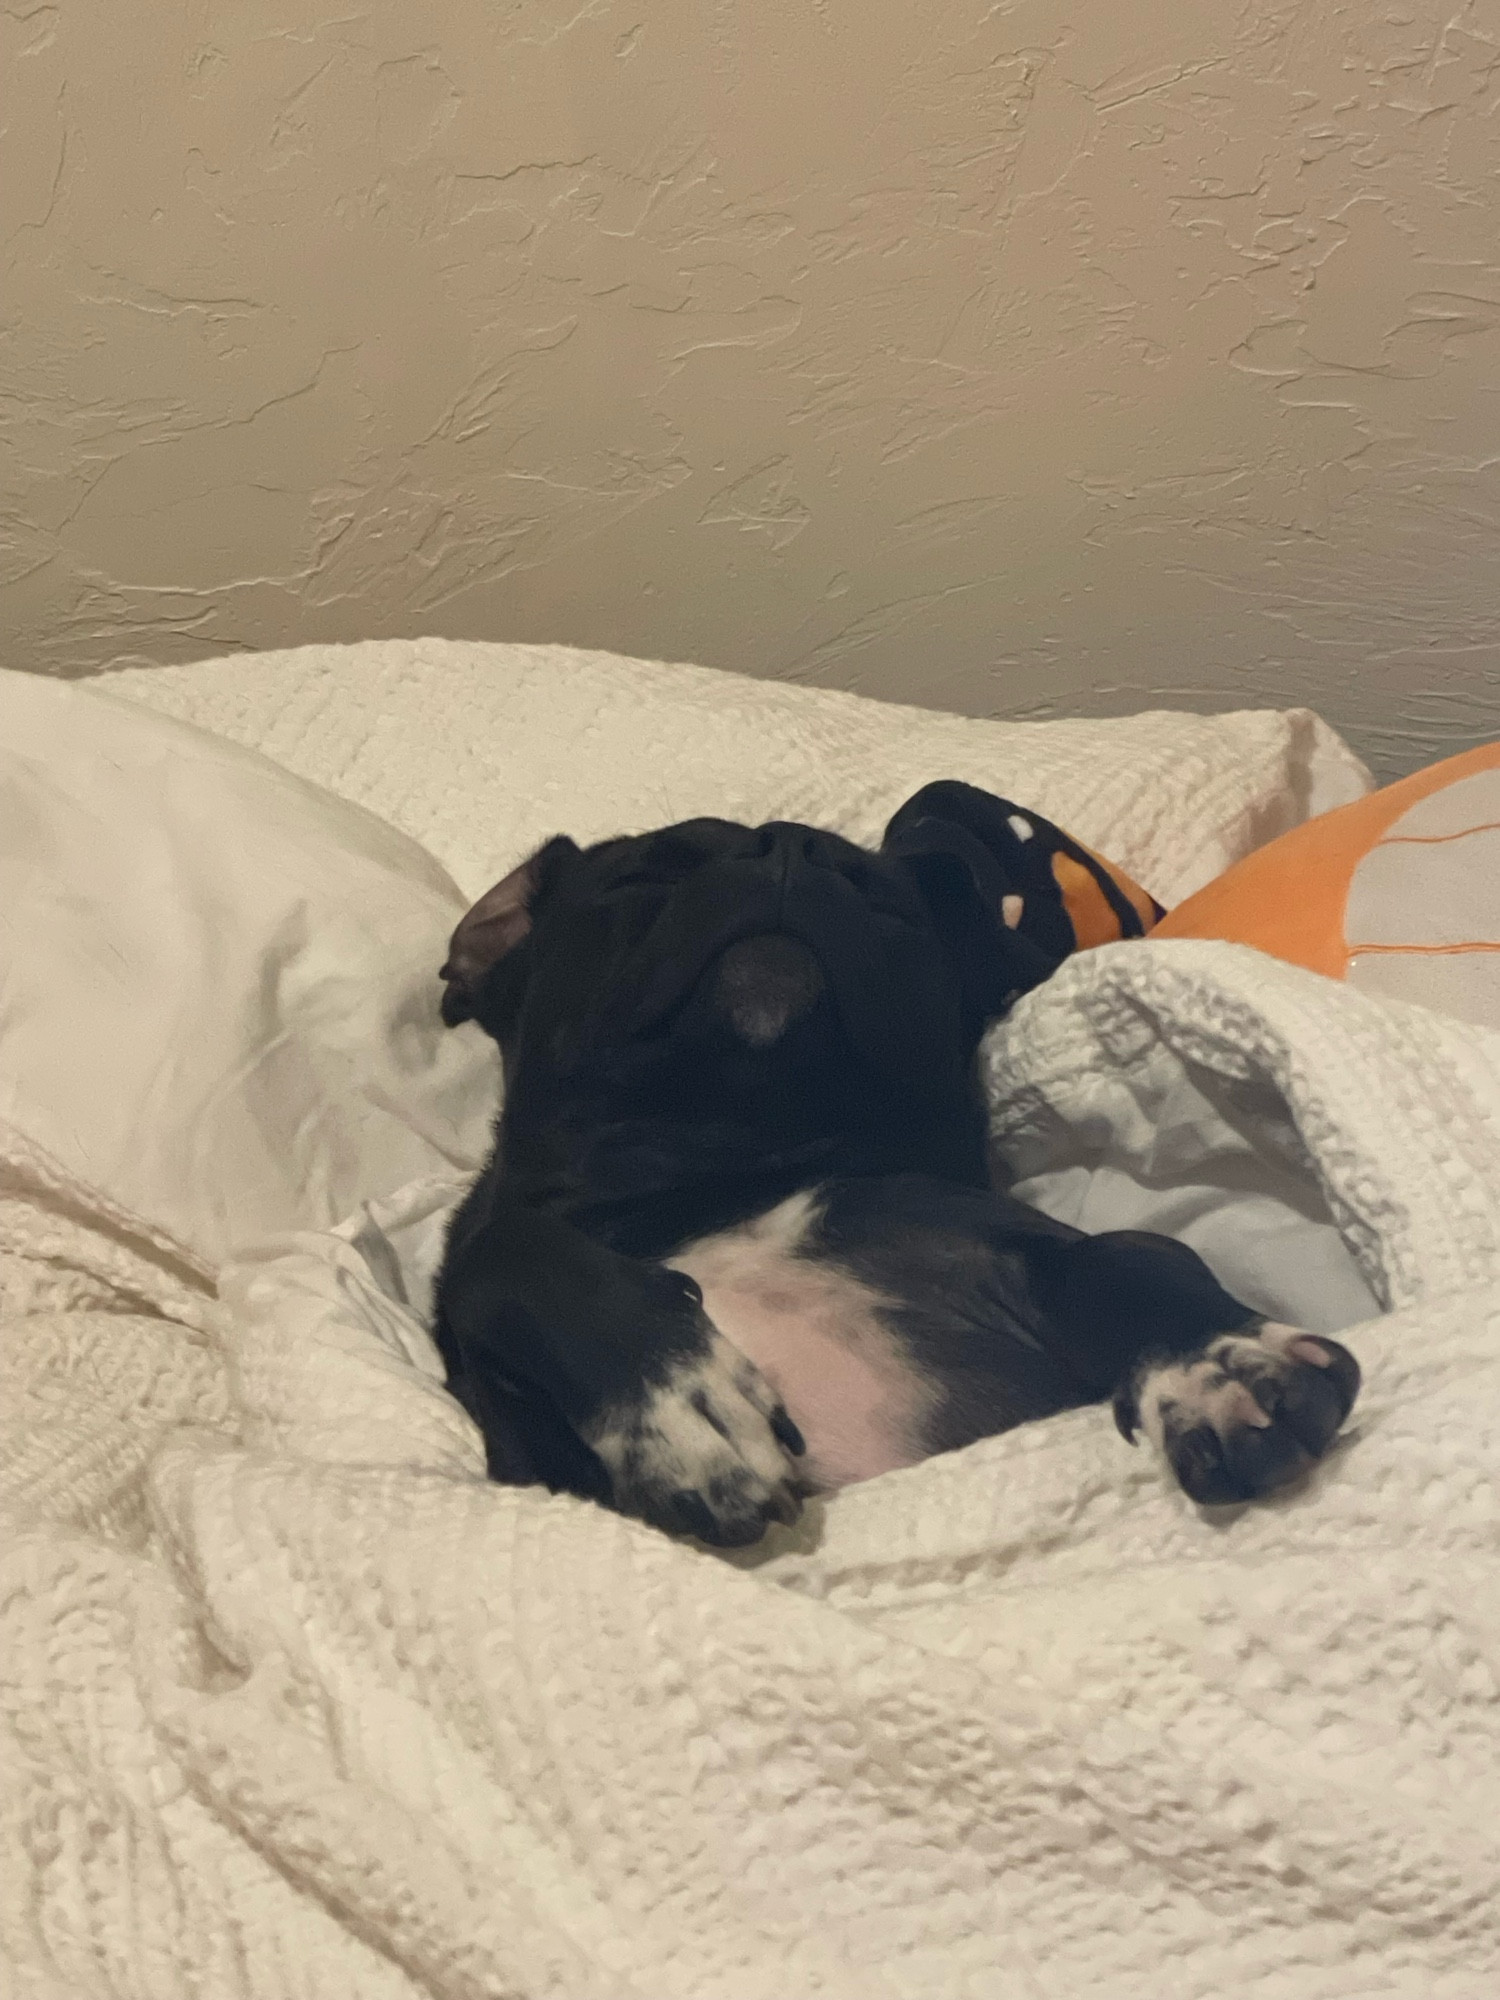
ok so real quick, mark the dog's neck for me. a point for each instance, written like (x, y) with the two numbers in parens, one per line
(647, 1186)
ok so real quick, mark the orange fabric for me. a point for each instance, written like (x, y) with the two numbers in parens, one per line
(1093, 921)
(1145, 906)
(1089, 910)
(1289, 898)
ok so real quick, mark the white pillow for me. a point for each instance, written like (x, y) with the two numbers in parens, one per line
(480, 751)
(218, 993)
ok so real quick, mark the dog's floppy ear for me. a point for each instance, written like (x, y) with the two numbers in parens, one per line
(494, 927)
(1012, 895)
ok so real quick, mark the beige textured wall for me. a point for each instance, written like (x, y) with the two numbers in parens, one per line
(1017, 358)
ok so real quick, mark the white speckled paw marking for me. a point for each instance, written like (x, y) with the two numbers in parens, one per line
(708, 1450)
(1247, 1413)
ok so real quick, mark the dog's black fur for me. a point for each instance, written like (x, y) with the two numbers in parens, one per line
(710, 1027)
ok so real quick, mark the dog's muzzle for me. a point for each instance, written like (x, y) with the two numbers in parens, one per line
(793, 914)
(762, 984)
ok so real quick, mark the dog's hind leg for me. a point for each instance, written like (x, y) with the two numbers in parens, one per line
(1238, 1405)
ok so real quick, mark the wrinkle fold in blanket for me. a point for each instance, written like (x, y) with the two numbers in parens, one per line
(298, 1704)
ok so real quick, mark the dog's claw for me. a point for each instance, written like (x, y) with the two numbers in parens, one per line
(1126, 1413)
(788, 1432)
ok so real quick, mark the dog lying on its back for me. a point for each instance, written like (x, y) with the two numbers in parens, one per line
(737, 1242)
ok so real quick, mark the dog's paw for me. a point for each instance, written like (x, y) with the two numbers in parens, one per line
(706, 1450)
(1247, 1413)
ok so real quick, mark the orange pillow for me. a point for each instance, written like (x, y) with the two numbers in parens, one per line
(1399, 893)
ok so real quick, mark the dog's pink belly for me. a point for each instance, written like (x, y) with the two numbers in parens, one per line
(815, 1334)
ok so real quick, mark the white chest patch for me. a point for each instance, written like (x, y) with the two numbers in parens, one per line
(816, 1334)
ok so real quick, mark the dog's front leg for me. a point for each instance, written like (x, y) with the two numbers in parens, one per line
(689, 1433)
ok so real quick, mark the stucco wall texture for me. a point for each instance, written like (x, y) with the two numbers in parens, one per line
(1017, 358)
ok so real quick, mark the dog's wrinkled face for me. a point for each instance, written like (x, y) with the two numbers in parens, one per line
(715, 975)
(706, 933)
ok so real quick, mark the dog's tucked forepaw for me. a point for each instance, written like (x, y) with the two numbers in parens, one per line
(1247, 1413)
(707, 1450)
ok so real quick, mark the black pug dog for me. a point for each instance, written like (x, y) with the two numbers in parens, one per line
(738, 1242)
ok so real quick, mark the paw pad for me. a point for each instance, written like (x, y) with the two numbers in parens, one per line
(1247, 1413)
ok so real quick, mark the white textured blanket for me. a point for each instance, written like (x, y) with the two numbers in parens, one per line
(297, 1705)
